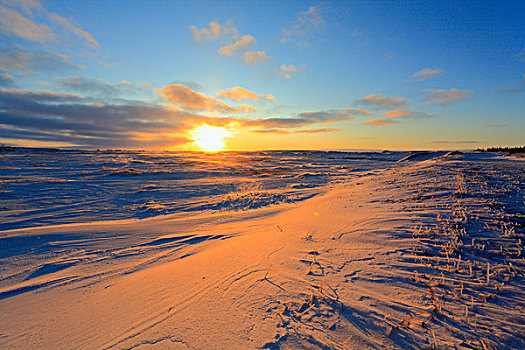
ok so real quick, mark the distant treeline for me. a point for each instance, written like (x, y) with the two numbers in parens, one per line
(510, 150)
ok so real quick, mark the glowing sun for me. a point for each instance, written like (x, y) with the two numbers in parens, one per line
(209, 138)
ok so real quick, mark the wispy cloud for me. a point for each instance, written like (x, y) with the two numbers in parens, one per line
(388, 56)
(6, 79)
(305, 25)
(19, 19)
(230, 49)
(12, 23)
(255, 57)
(100, 88)
(380, 122)
(398, 113)
(27, 7)
(382, 101)
(443, 97)
(521, 54)
(18, 59)
(79, 32)
(424, 74)
(360, 38)
(108, 65)
(296, 131)
(458, 142)
(519, 87)
(403, 113)
(498, 125)
(17, 96)
(303, 119)
(289, 71)
(191, 84)
(345, 113)
(214, 32)
(182, 96)
(238, 93)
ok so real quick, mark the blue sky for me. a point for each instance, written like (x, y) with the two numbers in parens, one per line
(278, 75)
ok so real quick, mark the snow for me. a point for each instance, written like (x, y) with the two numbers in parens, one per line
(249, 250)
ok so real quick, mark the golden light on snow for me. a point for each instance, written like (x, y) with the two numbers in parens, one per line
(209, 138)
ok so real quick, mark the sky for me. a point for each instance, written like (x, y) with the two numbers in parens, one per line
(262, 74)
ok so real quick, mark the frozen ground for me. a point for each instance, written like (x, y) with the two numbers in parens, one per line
(394, 251)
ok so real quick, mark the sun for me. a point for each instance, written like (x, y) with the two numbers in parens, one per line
(209, 138)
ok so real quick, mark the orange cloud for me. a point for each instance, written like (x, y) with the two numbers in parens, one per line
(229, 50)
(443, 97)
(255, 57)
(383, 101)
(183, 96)
(402, 113)
(214, 32)
(287, 71)
(357, 111)
(288, 68)
(398, 113)
(238, 93)
(244, 109)
(424, 74)
(380, 122)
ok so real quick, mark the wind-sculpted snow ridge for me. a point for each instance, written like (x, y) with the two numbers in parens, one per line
(425, 254)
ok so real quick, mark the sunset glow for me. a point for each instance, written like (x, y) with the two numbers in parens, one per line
(209, 138)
